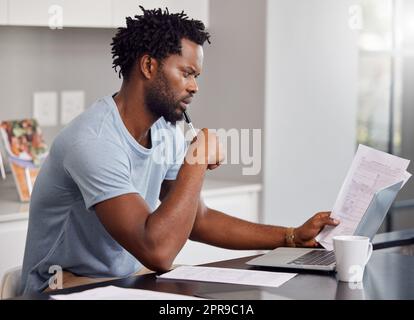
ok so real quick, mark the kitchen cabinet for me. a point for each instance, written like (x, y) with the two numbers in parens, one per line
(198, 9)
(239, 200)
(12, 242)
(75, 13)
(3, 11)
(90, 13)
(13, 226)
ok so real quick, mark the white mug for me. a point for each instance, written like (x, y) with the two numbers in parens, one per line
(352, 254)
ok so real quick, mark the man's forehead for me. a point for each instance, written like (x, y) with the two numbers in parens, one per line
(191, 55)
(190, 45)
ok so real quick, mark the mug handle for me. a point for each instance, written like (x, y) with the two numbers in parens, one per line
(369, 253)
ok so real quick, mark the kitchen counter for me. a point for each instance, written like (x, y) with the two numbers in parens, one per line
(12, 209)
(219, 187)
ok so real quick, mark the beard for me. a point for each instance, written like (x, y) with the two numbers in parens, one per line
(161, 101)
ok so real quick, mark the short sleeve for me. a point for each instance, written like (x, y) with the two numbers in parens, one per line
(100, 169)
(179, 149)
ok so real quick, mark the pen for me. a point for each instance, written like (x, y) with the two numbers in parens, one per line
(188, 120)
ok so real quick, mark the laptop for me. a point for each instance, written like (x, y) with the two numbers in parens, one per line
(322, 259)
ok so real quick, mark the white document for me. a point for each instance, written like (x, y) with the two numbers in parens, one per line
(371, 170)
(117, 293)
(225, 275)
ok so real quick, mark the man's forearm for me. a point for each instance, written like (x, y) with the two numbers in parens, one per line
(219, 229)
(170, 225)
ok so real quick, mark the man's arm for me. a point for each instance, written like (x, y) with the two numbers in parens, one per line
(155, 238)
(219, 229)
(152, 237)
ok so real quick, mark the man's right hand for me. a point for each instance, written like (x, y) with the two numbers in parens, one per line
(206, 149)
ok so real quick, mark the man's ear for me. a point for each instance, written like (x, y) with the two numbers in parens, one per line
(148, 66)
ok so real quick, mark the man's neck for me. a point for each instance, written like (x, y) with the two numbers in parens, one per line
(137, 119)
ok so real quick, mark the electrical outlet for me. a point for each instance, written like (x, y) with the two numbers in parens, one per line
(73, 104)
(45, 108)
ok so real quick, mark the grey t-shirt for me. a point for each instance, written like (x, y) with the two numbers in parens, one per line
(93, 159)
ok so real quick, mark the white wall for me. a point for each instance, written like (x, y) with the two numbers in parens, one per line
(310, 108)
(40, 59)
(232, 82)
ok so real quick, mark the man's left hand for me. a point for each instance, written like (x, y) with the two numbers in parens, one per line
(306, 233)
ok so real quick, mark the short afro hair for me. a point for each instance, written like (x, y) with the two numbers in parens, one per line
(157, 33)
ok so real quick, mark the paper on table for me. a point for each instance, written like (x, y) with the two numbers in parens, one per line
(371, 170)
(116, 293)
(225, 275)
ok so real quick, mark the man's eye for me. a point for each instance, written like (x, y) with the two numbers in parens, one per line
(186, 74)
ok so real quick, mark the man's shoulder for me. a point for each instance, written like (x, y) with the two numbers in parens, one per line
(95, 126)
(92, 119)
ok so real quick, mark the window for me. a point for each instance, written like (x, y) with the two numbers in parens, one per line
(385, 104)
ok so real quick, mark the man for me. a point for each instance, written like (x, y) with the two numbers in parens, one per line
(94, 209)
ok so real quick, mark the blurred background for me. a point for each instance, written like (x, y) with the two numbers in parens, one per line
(318, 77)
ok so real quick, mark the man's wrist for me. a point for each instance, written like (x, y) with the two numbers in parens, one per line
(290, 237)
(194, 166)
(192, 160)
(196, 157)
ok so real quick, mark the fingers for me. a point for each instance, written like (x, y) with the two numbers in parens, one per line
(219, 156)
(206, 149)
(332, 222)
(323, 218)
(220, 152)
(311, 243)
(323, 214)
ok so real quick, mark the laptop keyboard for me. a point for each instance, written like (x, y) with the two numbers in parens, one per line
(315, 257)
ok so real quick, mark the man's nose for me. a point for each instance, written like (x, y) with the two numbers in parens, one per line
(193, 87)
